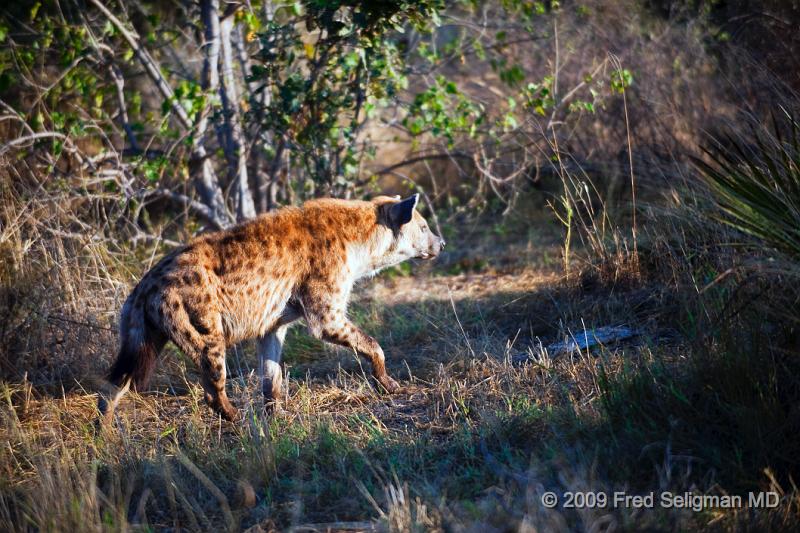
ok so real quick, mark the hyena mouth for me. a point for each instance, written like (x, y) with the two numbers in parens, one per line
(426, 256)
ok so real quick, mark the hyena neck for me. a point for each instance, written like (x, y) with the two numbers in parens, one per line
(367, 258)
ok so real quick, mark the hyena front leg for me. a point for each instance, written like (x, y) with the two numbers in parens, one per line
(270, 347)
(334, 326)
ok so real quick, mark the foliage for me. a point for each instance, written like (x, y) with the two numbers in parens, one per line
(756, 183)
(318, 80)
(324, 83)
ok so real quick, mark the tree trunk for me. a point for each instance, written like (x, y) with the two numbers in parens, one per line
(270, 183)
(209, 12)
(255, 156)
(237, 146)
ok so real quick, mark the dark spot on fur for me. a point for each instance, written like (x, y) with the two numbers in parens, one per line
(233, 238)
(197, 322)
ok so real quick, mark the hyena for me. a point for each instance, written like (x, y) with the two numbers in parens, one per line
(254, 280)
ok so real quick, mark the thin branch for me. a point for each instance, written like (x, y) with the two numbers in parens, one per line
(31, 138)
(148, 63)
(198, 208)
(119, 81)
(425, 157)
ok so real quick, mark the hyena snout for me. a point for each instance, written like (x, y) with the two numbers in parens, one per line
(434, 248)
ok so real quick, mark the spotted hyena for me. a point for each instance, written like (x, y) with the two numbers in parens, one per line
(254, 280)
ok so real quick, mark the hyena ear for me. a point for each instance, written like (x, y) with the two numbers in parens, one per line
(401, 212)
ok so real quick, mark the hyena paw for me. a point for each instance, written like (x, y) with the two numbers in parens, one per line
(389, 384)
(272, 407)
(228, 412)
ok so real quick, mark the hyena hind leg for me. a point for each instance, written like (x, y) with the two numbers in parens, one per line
(209, 354)
(199, 335)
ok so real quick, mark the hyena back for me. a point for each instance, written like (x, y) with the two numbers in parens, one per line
(254, 280)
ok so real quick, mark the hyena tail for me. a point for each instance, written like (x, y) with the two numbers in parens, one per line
(139, 349)
(134, 363)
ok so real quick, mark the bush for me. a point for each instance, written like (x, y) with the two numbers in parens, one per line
(756, 184)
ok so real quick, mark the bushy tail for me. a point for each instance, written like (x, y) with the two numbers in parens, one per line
(134, 362)
(138, 351)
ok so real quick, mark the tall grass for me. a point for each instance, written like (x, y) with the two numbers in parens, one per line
(756, 182)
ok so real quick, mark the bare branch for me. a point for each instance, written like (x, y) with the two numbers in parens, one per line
(148, 63)
(119, 81)
(424, 157)
(30, 139)
(198, 208)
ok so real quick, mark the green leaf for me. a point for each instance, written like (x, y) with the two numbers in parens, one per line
(34, 11)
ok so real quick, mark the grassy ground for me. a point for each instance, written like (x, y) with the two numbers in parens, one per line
(479, 432)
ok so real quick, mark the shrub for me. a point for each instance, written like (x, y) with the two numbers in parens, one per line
(756, 184)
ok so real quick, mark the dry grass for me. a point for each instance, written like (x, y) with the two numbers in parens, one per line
(471, 442)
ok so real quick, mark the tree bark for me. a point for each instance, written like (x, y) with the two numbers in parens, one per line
(210, 82)
(237, 145)
(256, 163)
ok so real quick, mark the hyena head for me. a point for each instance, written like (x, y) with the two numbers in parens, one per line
(411, 236)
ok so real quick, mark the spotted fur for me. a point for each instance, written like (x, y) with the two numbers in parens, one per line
(254, 280)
